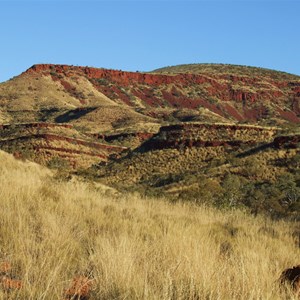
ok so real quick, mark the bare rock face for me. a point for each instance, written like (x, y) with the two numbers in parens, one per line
(291, 276)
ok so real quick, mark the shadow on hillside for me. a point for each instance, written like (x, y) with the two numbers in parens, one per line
(255, 150)
(46, 114)
(74, 114)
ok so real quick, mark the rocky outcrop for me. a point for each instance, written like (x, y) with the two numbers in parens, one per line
(43, 147)
(141, 136)
(34, 125)
(208, 135)
(53, 137)
(122, 77)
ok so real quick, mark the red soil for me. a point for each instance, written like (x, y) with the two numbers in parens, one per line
(289, 116)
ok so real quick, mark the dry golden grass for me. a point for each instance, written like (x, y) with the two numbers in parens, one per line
(28, 92)
(132, 248)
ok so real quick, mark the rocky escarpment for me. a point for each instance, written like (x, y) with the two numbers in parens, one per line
(44, 141)
(34, 125)
(42, 148)
(208, 135)
(236, 97)
(53, 137)
(130, 139)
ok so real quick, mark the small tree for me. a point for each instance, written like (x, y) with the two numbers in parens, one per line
(233, 191)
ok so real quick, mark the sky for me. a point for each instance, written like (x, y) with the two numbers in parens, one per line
(145, 35)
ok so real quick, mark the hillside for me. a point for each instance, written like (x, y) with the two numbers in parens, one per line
(182, 131)
(226, 69)
(55, 233)
(222, 92)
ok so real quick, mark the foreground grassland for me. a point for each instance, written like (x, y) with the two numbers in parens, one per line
(133, 248)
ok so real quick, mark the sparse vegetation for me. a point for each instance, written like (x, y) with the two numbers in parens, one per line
(229, 177)
(58, 163)
(226, 69)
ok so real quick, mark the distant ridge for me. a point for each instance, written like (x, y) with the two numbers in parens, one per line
(227, 69)
(199, 92)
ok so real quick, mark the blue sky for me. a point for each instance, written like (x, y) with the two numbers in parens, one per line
(145, 35)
